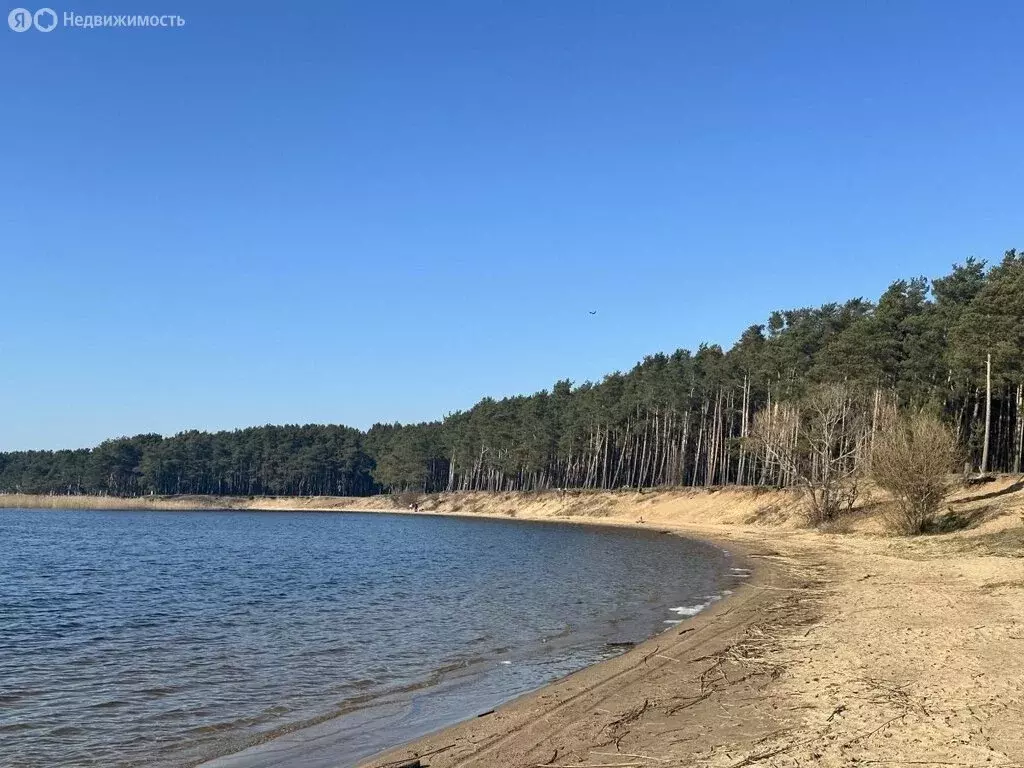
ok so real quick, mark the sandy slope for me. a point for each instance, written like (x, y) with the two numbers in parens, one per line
(845, 649)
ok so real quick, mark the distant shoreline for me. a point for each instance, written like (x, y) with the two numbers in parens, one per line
(195, 502)
(596, 506)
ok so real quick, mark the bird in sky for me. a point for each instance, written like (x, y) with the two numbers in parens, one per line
(593, 311)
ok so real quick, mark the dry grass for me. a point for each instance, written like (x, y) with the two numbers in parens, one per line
(34, 501)
(770, 514)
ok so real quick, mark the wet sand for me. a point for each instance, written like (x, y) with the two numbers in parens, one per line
(662, 700)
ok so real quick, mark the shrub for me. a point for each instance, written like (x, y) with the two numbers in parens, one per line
(913, 459)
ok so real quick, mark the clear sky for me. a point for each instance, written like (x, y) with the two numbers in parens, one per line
(352, 212)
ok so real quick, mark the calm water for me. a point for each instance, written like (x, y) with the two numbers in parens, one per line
(172, 638)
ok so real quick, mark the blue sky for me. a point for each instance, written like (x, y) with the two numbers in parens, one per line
(357, 212)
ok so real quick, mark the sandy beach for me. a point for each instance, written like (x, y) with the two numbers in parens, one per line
(842, 648)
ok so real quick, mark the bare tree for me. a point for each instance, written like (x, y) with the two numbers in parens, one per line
(913, 460)
(816, 445)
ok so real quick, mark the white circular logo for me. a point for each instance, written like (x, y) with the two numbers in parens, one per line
(45, 19)
(20, 20)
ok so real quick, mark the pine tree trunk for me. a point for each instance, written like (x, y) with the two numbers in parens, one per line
(741, 476)
(700, 442)
(604, 463)
(1019, 447)
(988, 413)
(682, 449)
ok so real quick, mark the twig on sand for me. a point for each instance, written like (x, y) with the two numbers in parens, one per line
(630, 715)
(759, 756)
(869, 734)
(819, 625)
(837, 711)
(652, 653)
(412, 762)
(689, 703)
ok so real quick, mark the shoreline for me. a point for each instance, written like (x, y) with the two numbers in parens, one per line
(307, 747)
(290, 743)
(594, 705)
(842, 648)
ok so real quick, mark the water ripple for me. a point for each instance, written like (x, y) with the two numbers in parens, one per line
(165, 639)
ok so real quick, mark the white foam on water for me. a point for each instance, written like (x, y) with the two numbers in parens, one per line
(693, 610)
(690, 610)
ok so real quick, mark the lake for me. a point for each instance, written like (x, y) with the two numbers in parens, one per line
(175, 638)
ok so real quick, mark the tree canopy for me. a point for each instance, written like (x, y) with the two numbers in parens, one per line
(683, 418)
